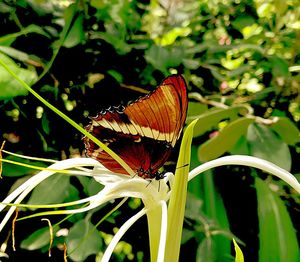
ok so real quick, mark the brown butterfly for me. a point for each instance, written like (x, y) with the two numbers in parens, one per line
(142, 133)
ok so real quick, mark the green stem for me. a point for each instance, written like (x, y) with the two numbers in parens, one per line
(154, 226)
(70, 121)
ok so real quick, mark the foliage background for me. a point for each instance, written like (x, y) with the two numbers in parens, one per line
(241, 63)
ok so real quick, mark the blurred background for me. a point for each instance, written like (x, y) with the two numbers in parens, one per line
(241, 63)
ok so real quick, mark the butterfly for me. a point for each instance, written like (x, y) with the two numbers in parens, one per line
(144, 132)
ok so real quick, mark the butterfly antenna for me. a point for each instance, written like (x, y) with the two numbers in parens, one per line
(150, 181)
(183, 166)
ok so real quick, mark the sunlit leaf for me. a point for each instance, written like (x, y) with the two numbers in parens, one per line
(10, 38)
(9, 86)
(239, 257)
(225, 140)
(212, 117)
(76, 34)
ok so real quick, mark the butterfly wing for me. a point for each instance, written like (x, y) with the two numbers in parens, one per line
(144, 132)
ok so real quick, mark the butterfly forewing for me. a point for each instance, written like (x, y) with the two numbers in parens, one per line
(144, 132)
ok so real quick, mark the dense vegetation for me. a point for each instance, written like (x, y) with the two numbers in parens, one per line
(242, 65)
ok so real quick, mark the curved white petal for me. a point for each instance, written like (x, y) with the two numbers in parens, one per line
(251, 162)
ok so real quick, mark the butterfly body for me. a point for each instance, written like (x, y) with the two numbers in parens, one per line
(142, 133)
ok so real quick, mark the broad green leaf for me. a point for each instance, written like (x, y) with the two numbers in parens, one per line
(53, 190)
(21, 56)
(83, 240)
(76, 34)
(10, 38)
(239, 257)
(265, 144)
(211, 118)
(225, 140)
(90, 185)
(277, 236)
(38, 239)
(9, 86)
(241, 147)
(287, 130)
(12, 52)
(196, 109)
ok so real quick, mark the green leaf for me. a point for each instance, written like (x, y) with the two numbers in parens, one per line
(45, 124)
(83, 240)
(38, 239)
(277, 236)
(12, 52)
(241, 147)
(90, 185)
(196, 109)
(191, 63)
(169, 37)
(242, 21)
(239, 257)
(117, 41)
(211, 118)
(287, 130)
(225, 140)
(9, 86)
(76, 34)
(162, 58)
(10, 38)
(265, 144)
(280, 67)
(116, 75)
(53, 190)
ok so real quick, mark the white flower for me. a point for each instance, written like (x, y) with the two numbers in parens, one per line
(154, 194)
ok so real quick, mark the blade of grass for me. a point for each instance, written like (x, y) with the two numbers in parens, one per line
(178, 197)
(70, 121)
